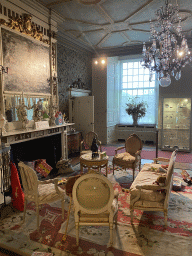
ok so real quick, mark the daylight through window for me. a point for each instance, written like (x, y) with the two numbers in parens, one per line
(135, 83)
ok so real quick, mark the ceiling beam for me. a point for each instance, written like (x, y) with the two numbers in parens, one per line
(141, 30)
(103, 39)
(82, 21)
(126, 37)
(57, 2)
(104, 14)
(138, 10)
(84, 31)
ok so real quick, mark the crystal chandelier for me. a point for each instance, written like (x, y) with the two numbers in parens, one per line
(173, 52)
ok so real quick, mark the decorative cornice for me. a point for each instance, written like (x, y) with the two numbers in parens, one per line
(119, 51)
(24, 25)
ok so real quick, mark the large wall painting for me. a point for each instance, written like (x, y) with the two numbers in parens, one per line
(28, 64)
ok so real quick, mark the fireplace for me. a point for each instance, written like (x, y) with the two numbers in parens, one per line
(48, 148)
(47, 143)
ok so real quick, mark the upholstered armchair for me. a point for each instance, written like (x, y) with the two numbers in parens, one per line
(146, 194)
(95, 203)
(131, 158)
(40, 192)
(85, 146)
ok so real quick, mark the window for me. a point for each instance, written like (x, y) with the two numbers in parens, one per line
(135, 83)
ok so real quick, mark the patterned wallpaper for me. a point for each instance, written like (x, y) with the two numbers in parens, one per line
(72, 64)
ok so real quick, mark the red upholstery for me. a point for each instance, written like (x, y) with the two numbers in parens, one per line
(17, 192)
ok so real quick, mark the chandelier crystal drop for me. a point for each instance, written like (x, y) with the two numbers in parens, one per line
(169, 51)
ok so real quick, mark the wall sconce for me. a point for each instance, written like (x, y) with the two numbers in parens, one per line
(102, 62)
(4, 69)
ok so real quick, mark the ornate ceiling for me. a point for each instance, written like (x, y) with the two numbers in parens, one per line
(101, 25)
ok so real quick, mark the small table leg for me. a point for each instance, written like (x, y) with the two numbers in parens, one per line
(81, 167)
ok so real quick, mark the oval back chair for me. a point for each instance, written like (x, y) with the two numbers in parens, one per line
(40, 192)
(94, 202)
(131, 158)
(85, 146)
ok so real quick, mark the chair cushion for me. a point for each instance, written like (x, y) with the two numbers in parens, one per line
(102, 217)
(146, 177)
(153, 168)
(94, 218)
(125, 157)
(48, 193)
(149, 204)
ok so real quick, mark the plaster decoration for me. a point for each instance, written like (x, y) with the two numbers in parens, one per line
(25, 25)
(89, 2)
(71, 65)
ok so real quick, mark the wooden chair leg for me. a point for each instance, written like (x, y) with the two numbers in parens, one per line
(113, 168)
(62, 207)
(131, 213)
(165, 216)
(77, 233)
(69, 210)
(111, 233)
(139, 166)
(116, 215)
(37, 213)
(24, 213)
(133, 173)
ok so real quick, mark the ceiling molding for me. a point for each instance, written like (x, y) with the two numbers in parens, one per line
(138, 10)
(57, 2)
(72, 44)
(90, 2)
(120, 51)
(107, 26)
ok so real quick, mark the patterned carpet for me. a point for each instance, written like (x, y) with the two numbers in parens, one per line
(147, 237)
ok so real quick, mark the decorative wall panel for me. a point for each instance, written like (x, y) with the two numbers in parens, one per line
(28, 63)
(72, 64)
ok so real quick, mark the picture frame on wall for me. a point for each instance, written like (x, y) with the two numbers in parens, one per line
(28, 63)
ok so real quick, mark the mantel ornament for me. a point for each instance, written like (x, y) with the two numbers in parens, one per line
(22, 112)
(38, 111)
(78, 84)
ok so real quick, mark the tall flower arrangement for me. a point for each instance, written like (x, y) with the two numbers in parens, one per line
(135, 109)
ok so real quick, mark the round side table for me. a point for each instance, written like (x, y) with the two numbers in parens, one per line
(86, 160)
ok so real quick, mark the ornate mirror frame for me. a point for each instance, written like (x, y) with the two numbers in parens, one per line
(29, 88)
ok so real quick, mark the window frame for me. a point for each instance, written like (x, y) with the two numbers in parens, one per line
(137, 58)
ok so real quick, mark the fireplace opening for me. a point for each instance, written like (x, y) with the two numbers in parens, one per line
(48, 148)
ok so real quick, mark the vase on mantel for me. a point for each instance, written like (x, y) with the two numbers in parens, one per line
(135, 119)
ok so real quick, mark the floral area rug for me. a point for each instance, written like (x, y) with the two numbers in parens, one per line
(147, 236)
